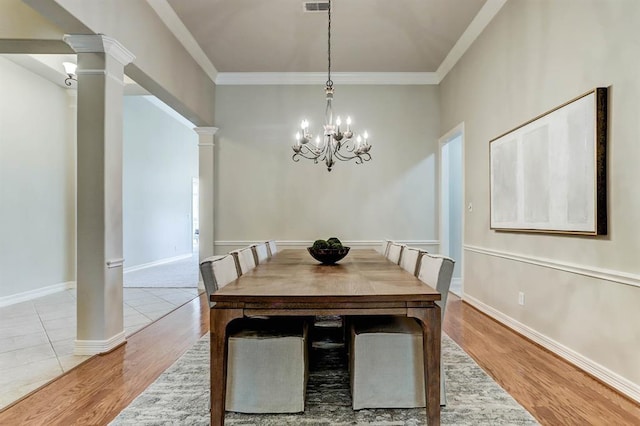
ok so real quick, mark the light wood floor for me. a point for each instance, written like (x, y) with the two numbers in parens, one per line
(552, 390)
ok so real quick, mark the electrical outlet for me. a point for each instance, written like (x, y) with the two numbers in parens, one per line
(521, 298)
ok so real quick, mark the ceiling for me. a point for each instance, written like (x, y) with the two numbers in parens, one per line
(367, 35)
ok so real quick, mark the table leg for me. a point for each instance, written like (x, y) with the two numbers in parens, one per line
(219, 319)
(429, 318)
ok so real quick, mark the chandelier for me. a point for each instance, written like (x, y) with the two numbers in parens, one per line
(335, 143)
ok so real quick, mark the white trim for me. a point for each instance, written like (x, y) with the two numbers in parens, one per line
(166, 13)
(444, 222)
(307, 243)
(206, 130)
(93, 347)
(598, 371)
(24, 296)
(573, 268)
(115, 263)
(89, 43)
(157, 263)
(475, 28)
(318, 78)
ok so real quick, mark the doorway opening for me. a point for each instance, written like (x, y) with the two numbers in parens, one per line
(452, 202)
(195, 217)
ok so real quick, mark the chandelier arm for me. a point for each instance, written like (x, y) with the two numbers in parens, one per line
(308, 153)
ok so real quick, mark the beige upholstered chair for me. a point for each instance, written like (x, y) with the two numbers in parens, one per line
(260, 253)
(267, 358)
(245, 261)
(394, 253)
(410, 260)
(378, 383)
(384, 249)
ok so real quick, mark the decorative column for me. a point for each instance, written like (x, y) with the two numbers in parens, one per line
(100, 72)
(206, 191)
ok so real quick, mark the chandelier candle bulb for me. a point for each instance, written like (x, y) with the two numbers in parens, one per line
(335, 144)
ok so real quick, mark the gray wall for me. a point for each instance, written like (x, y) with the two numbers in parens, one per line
(581, 294)
(261, 193)
(37, 182)
(160, 161)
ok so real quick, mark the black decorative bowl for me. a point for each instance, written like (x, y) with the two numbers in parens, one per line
(328, 256)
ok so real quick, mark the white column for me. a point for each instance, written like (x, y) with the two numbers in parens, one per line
(100, 71)
(206, 171)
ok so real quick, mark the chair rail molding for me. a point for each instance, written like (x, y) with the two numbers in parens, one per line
(591, 367)
(362, 244)
(573, 268)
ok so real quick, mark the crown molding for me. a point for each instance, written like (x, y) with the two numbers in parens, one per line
(316, 78)
(167, 15)
(90, 43)
(205, 130)
(475, 28)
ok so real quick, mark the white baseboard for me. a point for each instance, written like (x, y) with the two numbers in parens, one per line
(628, 388)
(94, 347)
(157, 262)
(34, 294)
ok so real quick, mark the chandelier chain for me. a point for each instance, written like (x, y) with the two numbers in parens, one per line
(329, 81)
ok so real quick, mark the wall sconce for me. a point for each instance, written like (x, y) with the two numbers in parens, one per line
(70, 69)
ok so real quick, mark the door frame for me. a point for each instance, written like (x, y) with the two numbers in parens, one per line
(457, 131)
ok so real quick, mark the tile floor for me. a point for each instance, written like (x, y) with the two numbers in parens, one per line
(37, 336)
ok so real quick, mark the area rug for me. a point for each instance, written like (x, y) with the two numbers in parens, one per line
(180, 396)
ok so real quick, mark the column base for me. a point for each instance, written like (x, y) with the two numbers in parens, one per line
(94, 347)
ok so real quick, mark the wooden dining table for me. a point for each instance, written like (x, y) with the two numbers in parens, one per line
(292, 283)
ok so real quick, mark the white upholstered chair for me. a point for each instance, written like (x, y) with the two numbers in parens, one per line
(267, 358)
(384, 248)
(394, 253)
(378, 383)
(260, 253)
(245, 261)
(410, 260)
(272, 247)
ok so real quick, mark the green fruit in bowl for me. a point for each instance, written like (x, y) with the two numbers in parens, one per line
(335, 246)
(320, 244)
(334, 240)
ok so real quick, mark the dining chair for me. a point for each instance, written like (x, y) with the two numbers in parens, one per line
(374, 340)
(394, 253)
(245, 261)
(384, 249)
(267, 358)
(410, 260)
(260, 253)
(272, 247)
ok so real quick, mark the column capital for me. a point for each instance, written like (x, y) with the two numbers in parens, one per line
(202, 131)
(90, 43)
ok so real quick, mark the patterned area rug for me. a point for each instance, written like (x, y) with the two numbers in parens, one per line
(180, 395)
